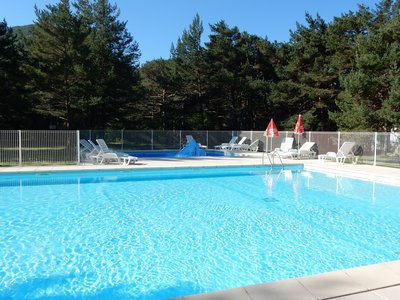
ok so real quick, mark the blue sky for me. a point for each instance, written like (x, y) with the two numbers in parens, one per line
(156, 24)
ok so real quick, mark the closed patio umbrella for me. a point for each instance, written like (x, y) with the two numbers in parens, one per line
(271, 131)
(299, 129)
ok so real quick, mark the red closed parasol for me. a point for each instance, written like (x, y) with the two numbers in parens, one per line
(299, 129)
(271, 131)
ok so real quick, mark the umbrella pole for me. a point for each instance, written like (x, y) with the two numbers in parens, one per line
(298, 141)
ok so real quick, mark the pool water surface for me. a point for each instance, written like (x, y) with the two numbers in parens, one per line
(155, 234)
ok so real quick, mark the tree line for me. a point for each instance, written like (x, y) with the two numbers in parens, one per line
(77, 66)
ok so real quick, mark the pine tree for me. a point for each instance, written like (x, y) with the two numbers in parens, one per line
(370, 96)
(189, 58)
(14, 105)
(239, 73)
(113, 71)
(57, 55)
(159, 110)
(308, 82)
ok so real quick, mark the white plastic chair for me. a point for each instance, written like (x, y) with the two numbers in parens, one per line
(246, 147)
(230, 147)
(305, 150)
(344, 152)
(107, 155)
(286, 149)
(231, 142)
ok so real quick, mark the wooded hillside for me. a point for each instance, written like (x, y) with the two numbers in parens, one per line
(78, 67)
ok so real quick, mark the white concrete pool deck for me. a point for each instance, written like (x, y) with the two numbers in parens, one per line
(380, 281)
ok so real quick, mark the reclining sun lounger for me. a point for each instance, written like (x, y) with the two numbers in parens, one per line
(246, 147)
(306, 150)
(231, 146)
(231, 142)
(88, 152)
(107, 155)
(286, 149)
(344, 152)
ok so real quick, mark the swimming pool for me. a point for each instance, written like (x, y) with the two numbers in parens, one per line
(163, 233)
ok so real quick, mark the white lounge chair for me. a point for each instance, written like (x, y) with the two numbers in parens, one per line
(89, 152)
(254, 146)
(344, 152)
(246, 147)
(286, 149)
(305, 150)
(239, 144)
(107, 155)
(231, 142)
(286, 145)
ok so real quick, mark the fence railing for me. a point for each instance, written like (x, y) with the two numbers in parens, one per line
(18, 147)
(38, 147)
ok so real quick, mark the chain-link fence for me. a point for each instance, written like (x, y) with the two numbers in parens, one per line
(19, 147)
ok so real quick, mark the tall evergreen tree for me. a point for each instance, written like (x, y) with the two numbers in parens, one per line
(113, 71)
(159, 108)
(189, 58)
(309, 83)
(14, 107)
(370, 96)
(344, 35)
(57, 54)
(83, 72)
(239, 70)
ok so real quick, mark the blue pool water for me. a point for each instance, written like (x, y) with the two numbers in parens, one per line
(141, 234)
(169, 154)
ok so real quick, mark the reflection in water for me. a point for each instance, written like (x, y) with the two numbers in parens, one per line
(303, 182)
(347, 187)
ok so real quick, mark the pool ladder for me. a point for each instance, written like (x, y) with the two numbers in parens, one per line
(271, 158)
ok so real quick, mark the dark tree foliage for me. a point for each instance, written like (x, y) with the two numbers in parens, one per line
(57, 54)
(239, 74)
(113, 68)
(14, 105)
(309, 83)
(369, 98)
(189, 60)
(159, 108)
(83, 72)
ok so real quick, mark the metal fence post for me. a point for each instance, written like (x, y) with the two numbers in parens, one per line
(180, 139)
(19, 147)
(207, 138)
(78, 148)
(375, 146)
(338, 141)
